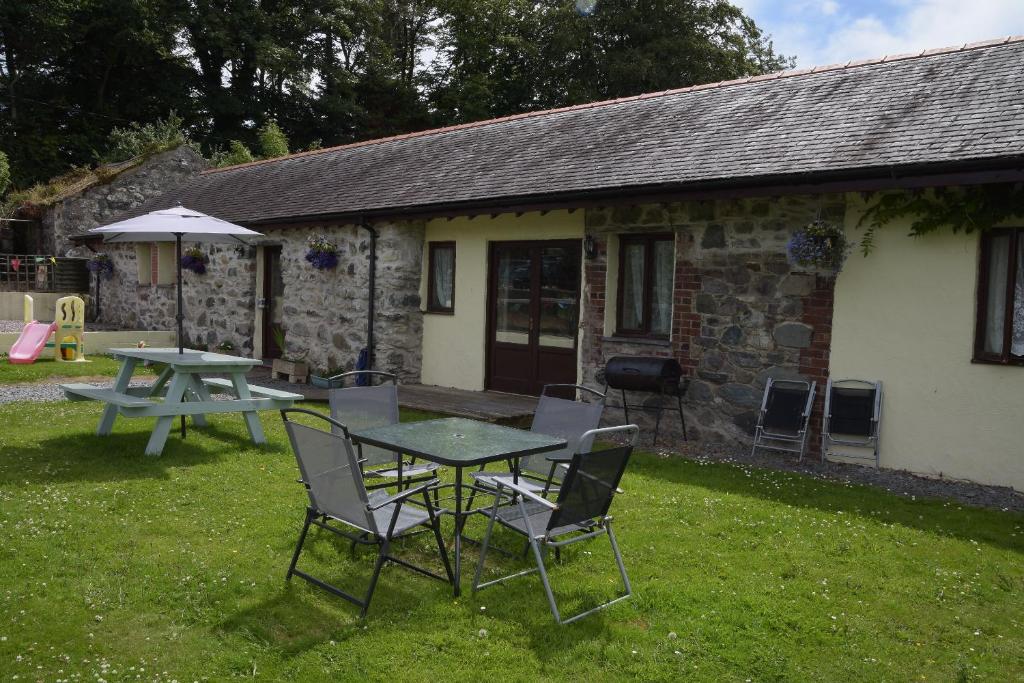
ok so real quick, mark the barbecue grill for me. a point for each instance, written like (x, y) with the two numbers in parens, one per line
(650, 374)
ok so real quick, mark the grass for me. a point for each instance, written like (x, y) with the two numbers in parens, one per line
(48, 368)
(124, 567)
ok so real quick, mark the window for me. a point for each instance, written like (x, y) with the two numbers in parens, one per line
(144, 260)
(646, 267)
(166, 264)
(441, 278)
(999, 337)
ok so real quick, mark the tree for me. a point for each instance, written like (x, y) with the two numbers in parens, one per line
(505, 56)
(5, 173)
(273, 142)
(237, 153)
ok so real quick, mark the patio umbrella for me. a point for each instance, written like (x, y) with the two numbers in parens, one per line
(175, 225)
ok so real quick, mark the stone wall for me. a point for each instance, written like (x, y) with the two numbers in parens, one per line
(104, 203)
(219, 305)
(740, 312)
(325, 312)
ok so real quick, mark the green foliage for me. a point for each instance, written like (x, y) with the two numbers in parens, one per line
(960, 209)
(136, 140)
(273, 141)
(178, 562)
(5, 173)
(237, 153)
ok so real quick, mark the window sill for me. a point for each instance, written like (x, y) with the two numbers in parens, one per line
(436, 312)
(643, 341)
(1013, 362)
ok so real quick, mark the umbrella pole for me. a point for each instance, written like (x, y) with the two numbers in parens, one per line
(180, 316)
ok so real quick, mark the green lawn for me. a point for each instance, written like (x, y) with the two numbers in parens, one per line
(48, 368)
(123, 567)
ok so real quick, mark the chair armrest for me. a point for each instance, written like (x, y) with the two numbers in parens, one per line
(524, 492)
(401, 495)
(559, 458)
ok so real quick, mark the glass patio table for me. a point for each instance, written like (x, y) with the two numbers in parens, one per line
(459, 443)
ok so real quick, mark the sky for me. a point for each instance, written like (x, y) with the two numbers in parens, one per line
(820, 32)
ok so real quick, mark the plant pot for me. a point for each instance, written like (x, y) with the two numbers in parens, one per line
(295, 371)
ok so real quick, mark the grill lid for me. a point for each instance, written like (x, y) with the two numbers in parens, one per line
(643, 373)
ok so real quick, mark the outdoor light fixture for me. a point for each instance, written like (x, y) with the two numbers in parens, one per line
(589, 247)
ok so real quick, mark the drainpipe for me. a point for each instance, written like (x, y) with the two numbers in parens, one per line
(372, 286)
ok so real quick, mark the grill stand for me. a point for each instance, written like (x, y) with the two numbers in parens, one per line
(680, 389)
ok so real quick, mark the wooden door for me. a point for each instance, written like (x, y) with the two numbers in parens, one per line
(273, 301)
(533, 314)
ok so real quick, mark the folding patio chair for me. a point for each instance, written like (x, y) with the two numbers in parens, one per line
(785, 415)
(853, 409)
(337, 493)
(361, 407)
(579, 513)
(566, 418)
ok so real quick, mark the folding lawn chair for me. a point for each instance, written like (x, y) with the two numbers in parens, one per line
(337, 493)
(362, 407)
(785, 416)
(566, 418)
(579, 513)
(853, 409)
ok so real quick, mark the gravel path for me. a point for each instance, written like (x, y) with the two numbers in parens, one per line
(51, 391)
(899, 482)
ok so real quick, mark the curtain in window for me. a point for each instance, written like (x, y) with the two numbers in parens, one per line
(661, 283)
(995, 315)
(1017, 339)
(632, 286)
(444, 260)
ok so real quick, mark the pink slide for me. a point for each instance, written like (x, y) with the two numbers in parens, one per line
(31, 342)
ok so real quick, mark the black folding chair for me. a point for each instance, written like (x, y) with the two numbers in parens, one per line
(785, 416)
(853, 411)
(579, 513)
(334, 483)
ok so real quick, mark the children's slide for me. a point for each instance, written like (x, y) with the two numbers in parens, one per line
(31, 342)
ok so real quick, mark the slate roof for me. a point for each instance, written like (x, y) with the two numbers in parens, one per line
(939, 109)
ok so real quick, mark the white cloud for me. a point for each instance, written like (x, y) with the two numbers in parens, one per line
(823, 32)
(829, 7)
(924, 24)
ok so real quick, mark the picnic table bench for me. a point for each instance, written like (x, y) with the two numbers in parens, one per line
(180, 390)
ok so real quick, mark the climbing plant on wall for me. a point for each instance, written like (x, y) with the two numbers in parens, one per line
(960, 209)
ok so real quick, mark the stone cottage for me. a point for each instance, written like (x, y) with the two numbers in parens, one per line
(526, 250)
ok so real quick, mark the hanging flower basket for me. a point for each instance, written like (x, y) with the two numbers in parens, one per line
(195, 260)
(101, 265)
(818, 246)
(322, 253)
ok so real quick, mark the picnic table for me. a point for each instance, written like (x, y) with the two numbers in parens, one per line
(459, 443)
(182, 390)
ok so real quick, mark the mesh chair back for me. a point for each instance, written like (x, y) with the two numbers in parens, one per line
(784, 407)
(331, 471)
(852, 410)
(589, 486)
(563, 418)
(363, 408)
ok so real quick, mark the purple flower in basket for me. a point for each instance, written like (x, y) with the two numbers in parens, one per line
(101, 265)
(195, 260)
(322, 253)
(818, 245)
